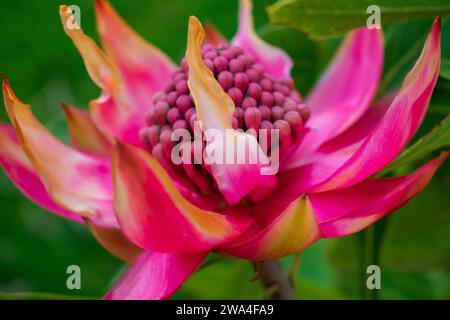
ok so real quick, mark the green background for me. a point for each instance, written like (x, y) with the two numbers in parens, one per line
(44, 68)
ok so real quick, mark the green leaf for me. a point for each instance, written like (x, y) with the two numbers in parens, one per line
(445, 69)
(324, 18)
(437, 139)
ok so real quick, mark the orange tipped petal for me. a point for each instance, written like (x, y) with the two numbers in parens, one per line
(74, 180)
(9, 99)
(153, 213)
(214, 107)
(113, 113)
(19, 169)
(144, 69)
(276, 233)
(97, 63)
(84, 133)
(130, 75)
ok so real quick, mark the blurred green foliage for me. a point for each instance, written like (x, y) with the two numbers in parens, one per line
(322, 18)
(44, 68)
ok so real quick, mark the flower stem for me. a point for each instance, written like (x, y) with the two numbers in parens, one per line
(371, 258)
(213, 261)
(370, 241)
(362, 264)
(294, 268)
(275, 282)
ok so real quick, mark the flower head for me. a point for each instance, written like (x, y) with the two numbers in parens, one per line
(119, 177)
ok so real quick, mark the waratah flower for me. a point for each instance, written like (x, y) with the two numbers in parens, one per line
(163, 218)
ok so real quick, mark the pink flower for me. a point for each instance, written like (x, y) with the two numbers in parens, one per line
(163, 218)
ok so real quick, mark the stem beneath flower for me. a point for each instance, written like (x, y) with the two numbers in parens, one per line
(275, 282)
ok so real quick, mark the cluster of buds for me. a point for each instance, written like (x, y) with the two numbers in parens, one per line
(261, 102)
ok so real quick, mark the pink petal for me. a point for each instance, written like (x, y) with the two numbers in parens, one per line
(362, 128)
(287, 232)
(115, 113)
(143, 68)
(284, 224)
(153, 213)
(346, 211)
(274, 61)
(326, 171)
(116, 122)
(155, 276)
(236, 181)
(399, 124)
(99, 66)
(322, 166)
(19, 169)
(214, 111)
(344, 92)
(75, 181)
(83, 132)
